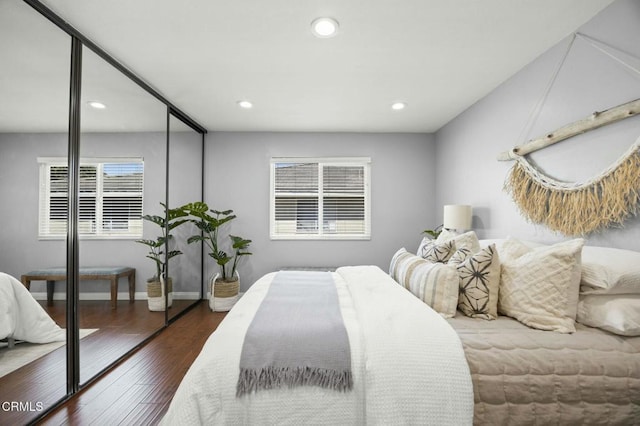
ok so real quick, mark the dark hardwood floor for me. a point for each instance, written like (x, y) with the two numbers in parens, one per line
(150, 376)
(138, 391)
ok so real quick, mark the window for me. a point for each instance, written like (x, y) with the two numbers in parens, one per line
(320, 198)
(110, 198)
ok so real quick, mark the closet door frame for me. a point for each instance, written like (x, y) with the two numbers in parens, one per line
(78, 41)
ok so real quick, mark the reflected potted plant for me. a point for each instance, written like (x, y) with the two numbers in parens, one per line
(224, 286)
(159, 283)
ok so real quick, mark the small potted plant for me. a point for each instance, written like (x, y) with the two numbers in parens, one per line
(224, 286)
(433, 233)
(159, 284)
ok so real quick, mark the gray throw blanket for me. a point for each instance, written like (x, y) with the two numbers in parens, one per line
(297, 337)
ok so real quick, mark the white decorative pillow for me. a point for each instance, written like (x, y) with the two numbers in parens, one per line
(511, 249)
(488, 241)
(468, 240)
(436, 284)
(610, 271)
(540, 288)
(616, 314)
(479, 281)
(435, 252)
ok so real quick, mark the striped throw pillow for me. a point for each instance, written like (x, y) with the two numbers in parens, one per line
(436, 284)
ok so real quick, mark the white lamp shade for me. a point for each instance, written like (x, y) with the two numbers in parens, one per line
(457, 216)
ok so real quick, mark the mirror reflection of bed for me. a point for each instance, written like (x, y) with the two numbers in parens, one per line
(26, 329)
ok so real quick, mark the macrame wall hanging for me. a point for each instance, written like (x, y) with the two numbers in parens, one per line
(578, 208)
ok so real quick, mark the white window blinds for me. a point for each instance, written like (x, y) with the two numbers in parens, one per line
(320, 198)
(110, 198)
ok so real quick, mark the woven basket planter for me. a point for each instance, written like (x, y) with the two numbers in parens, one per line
(155, 297)
(223, 294)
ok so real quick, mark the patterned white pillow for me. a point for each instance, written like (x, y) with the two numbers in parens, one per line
(479, 281)
(459, 256)
(436, 284)
(468, 240)
(435, 252)
(540, 288)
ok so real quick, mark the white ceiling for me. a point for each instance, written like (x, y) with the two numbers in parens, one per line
(204, 55)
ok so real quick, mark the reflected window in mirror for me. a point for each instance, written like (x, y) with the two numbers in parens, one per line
(111, 198)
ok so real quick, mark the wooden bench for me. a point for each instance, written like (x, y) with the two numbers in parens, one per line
(109, 273)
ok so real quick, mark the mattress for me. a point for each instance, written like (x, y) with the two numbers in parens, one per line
(523, 376)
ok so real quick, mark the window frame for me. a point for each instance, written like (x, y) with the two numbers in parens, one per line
(101, 233)
(364, 162)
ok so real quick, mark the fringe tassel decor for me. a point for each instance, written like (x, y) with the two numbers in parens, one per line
(578, 209)
(251, 380)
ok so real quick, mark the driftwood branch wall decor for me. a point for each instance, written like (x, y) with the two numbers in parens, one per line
(594, 121)
(578, 208)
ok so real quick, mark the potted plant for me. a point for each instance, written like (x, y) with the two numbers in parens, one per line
(159, 284)
(224, 286)
(433, 233)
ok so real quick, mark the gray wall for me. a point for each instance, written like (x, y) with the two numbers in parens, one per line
(402, 194)
(20, 249)
(467, 170)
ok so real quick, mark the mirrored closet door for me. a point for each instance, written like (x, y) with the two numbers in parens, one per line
(128, 150)
(34, 111)
(185, 186)
(123, 169)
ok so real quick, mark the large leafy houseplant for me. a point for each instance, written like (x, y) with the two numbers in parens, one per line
(225, 285)
(210, 222)
(171, 219)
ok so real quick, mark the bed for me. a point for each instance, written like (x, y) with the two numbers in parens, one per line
(407, 362)
(518, 312)
(21, 316)
(527, 376)
(551, 332)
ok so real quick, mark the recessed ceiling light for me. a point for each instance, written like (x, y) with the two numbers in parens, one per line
(324, 27)
(96, 105)
(245, 104)
(398, 106)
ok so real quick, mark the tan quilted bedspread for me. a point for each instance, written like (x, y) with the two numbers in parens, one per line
(523, 376)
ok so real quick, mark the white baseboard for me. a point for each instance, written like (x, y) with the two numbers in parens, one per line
(139, 295)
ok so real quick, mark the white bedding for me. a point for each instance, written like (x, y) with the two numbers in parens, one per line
(408, 366)
(22, 317)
